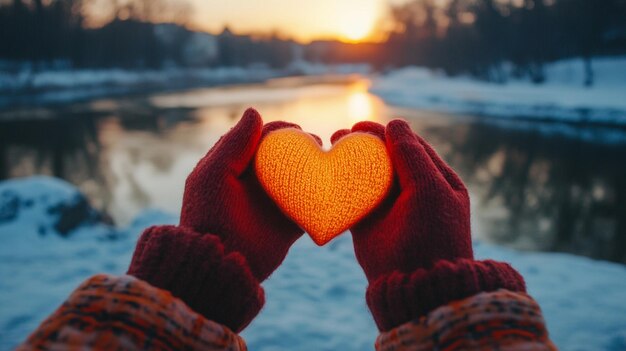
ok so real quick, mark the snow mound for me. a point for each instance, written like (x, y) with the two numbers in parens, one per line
(563, 97)
(315, 300)
(46, 205)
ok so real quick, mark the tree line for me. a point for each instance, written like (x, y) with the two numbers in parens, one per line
(494, 39)
(55, 33)
(491, 39)
(480, 36)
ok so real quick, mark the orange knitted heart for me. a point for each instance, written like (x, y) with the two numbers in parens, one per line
(325, 192)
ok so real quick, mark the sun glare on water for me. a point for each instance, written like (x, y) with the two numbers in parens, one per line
(361, 105)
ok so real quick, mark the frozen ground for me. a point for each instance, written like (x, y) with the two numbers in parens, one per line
(562, 98)
(315, 299)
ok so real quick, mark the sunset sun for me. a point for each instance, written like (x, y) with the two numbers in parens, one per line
(355, 34)
(356, 28)
(356, 24)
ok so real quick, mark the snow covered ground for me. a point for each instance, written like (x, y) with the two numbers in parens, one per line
(28, 86)
(562, 98)
(60, 86)
(315, 299)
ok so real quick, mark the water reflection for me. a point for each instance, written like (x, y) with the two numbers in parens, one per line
(531, 189)
(542, 191)
(66, 148)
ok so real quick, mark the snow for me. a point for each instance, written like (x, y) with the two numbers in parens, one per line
(315, 300)
(25, 85)
(66, 85)
(563, 97)
(311, 68)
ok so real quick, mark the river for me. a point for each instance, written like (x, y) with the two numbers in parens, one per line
(534, 185)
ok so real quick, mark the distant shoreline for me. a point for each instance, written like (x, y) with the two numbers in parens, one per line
(75, 86)
(58, 87)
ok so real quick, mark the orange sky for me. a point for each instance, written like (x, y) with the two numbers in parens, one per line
(348, 20)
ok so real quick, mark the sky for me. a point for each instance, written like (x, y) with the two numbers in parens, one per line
(348, 20)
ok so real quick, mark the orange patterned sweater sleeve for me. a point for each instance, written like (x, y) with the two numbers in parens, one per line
(124, 313)
(500, 320)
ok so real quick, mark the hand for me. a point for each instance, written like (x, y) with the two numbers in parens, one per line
(231, 235)
(415, 248)
(223, 197)
(425, 217)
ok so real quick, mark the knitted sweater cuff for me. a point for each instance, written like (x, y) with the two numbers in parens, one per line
(195, 268)
(397, 298)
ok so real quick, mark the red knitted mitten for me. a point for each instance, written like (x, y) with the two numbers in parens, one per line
(416, 248)
(231, 235)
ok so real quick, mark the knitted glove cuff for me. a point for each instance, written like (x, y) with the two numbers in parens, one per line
(397, 298)
(195, 268)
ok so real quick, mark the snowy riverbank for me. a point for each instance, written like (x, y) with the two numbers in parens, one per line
(315, 299)
(26, 86)
(563, 97)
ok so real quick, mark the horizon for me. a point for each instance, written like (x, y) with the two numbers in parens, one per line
(350, 21)
(346, 20)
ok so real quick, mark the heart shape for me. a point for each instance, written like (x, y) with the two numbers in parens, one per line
(325, 192)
